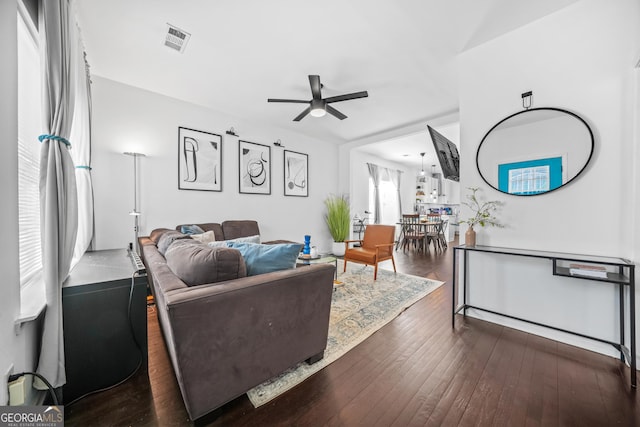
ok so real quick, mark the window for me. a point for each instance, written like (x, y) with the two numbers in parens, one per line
(531, 176)
(529, 180)
(388, 201)
(29, 125)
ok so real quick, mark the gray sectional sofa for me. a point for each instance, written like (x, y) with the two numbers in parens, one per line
(226, 337)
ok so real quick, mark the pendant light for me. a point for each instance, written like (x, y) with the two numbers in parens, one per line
(422, 170)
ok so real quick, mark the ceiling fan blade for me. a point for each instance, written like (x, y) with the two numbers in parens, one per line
(346, 97)
(297, 101)
(314, 81)
(335, 112)
(303, 114)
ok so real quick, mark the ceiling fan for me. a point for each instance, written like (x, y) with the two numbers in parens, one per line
(319, 106)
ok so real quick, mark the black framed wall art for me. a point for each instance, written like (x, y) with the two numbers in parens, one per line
(254, 168)
(199, 160)
(296, 174)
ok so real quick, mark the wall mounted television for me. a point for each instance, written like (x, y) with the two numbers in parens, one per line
(447, 153)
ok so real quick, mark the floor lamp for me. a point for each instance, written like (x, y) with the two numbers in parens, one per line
(135, 213)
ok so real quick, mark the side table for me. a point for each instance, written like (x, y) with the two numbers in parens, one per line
(325, 259)
(105, 322)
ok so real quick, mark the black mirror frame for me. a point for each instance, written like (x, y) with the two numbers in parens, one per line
(527, 111)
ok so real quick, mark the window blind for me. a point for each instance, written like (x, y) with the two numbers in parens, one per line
(29, 125)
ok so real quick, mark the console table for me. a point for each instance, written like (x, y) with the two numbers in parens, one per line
(620, 273)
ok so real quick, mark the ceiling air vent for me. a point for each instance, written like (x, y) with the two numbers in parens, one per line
(176, 38)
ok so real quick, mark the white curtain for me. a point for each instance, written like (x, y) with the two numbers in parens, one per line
(81, 152)
(58, 194)
(395, 176)
(374, 174)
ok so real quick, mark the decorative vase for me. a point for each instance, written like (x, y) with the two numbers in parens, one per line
(338, 248)
(470, 237)
(307, 247)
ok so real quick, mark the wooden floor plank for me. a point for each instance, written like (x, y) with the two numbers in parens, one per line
(494, 390)
(416, 370)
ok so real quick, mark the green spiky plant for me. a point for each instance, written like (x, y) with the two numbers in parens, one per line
(483, 212)
(338, 217)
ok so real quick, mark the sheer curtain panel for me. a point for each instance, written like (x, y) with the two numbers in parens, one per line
(396, 177)
(81, 153)
(374, 174)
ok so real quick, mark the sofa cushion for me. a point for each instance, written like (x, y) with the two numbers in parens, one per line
(167, 238)
(208, 226)
(191, 229)
(197, 264)
(239, 228)
(206, 237)
(225, 243)
(261, 259)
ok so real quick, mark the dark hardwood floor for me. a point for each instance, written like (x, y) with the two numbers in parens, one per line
(415, 371)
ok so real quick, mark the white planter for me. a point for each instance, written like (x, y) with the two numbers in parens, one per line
(337, 248)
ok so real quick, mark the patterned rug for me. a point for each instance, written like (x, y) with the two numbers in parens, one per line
(359, 308)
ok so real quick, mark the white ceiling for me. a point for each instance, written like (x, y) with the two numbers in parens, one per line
(241, 52)
(406, 149)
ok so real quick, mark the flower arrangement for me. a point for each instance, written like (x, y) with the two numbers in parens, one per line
(483, 211)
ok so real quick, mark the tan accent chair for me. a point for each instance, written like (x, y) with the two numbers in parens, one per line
(376, 246)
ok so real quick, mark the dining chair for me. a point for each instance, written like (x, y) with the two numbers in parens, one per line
(376, 246)
(434, 217)
(435, 234)
(413, 232)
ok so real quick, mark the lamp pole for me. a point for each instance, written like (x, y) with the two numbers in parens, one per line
(135, 212)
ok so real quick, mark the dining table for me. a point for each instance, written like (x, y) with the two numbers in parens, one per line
(426, 227)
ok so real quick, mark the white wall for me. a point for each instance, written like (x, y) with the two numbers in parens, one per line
(130, 119)
(635, 178)
(10, 301)
(581, 59)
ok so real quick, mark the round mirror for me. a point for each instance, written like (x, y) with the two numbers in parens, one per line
(535, 151)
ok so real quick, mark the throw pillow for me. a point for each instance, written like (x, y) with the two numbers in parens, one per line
(197, 264)
(206, 237)
(167, 239)
(157, 233)
(262, 259)
(191, 229)
(225, 243)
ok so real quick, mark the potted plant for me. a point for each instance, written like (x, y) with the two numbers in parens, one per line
(338, 218)
(482, 215)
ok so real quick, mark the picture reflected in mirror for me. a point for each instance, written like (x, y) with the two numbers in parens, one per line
(535, 151)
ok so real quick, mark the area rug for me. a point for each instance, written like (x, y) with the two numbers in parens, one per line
(359, 308)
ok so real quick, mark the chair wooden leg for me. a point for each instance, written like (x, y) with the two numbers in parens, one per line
(393, 261)
(345, 266)
(375, 272)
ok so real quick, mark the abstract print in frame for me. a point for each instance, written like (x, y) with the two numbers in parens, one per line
(255, 168)
(199, 160)
(296, 174)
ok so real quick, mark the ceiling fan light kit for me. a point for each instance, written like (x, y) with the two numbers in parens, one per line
(319, 106)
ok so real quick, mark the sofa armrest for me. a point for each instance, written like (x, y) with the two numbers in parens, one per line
(231, 336)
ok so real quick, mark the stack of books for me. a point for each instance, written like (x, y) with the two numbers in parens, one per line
(597, 271)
